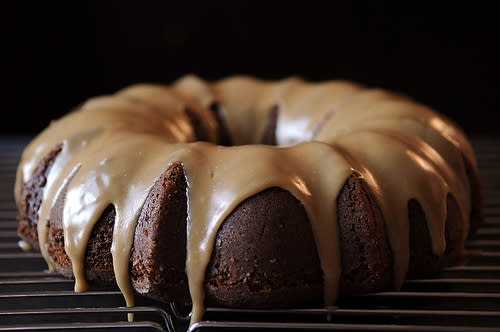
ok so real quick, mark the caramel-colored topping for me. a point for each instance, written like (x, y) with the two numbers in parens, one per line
(24, 245)
(115, 147)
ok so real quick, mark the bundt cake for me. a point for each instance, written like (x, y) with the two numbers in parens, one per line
(249, 193)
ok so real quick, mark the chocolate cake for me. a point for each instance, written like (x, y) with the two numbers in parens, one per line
(248, 193)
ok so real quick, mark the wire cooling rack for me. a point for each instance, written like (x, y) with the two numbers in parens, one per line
(463, 298)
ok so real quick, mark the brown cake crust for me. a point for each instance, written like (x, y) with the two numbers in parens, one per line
(265, 255)
(223, 134)
(158, 257)
(365, 253)
(423, 262)
(31, 199)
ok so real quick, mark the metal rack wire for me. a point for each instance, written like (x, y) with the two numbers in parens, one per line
(463, 298)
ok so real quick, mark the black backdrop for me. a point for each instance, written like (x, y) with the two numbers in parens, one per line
(55, 55)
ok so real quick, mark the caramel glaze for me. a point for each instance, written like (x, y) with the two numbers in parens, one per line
(115, 147)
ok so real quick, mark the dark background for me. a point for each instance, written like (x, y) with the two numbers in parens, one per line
(54, 55)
